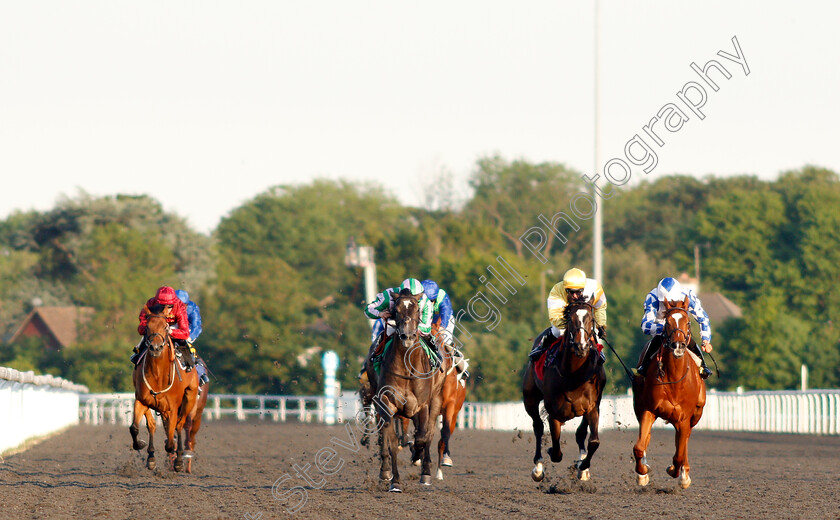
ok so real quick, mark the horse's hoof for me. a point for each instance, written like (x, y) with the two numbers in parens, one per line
(178, 466)
(583, 474)
(416, 462)
(685, 480)
(538, 472)
(386, 476)
(425, 480)
(139, 445)
(447, 461)
(670, 470)
(555, 457)
(642, 480)
(151, 463)
(395, 488)
(439, 474)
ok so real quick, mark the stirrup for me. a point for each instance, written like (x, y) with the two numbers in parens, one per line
(705, 372)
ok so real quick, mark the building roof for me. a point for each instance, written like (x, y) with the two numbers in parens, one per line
(719, 307)
(60, 322)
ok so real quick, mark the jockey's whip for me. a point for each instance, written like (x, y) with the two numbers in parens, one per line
(626, 370)
(715, 362)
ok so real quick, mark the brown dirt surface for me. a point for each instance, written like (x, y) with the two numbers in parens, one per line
(91, 472)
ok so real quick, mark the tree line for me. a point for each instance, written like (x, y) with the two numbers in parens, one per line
(274, 291)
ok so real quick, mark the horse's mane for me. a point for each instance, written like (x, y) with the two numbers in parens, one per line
(567, 311)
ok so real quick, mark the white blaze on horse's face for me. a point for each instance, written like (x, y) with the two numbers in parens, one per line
(581, 316)
(677, 318)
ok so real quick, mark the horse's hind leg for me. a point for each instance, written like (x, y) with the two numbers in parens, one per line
(531, 398)
(679, 469)
(443, 443)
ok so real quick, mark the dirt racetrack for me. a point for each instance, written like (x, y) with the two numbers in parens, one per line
(91, 472)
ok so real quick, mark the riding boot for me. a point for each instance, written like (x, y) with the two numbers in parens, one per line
(138, 351)
(187, 358)
(647, 353)
(541, 346)
(704, 370)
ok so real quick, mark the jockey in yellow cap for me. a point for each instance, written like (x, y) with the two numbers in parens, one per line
(574, 286)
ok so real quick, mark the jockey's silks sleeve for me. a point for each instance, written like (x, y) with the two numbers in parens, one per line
(381, 303)
(427, 311)
(443, 308)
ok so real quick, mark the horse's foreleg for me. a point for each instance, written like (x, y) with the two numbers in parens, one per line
(591, 419)
(424, 431)
(134, 429)
(554, 452)
(151, 426)
(679, 468)
(640, 448)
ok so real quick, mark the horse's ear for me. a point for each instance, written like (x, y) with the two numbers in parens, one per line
(394, 295)
(591, 300)
(668, 304)
(146, 310)
(685, 302)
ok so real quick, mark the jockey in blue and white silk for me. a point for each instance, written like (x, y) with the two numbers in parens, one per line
(653, 322)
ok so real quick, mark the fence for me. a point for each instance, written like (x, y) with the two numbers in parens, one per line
(34, 406)
(812, 412)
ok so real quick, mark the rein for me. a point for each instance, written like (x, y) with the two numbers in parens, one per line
(167, 339)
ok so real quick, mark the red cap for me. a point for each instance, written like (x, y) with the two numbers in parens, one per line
(166, 296)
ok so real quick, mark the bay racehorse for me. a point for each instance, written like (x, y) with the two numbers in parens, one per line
(673, 390)
(160, 384)
(407, 386)
(572, 387)
(453, 394)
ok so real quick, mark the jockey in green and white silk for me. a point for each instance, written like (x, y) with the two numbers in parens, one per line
(385, 302)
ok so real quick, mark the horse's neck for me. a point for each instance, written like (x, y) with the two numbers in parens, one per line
(673, 366)
(572, 363)
(159, 367)
(407, 354)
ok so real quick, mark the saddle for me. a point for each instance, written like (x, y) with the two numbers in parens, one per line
(548, 357)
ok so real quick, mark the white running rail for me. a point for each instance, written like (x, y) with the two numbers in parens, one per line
(811, 412)
(33, 406)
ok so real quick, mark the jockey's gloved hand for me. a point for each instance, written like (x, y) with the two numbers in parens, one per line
(602, 331)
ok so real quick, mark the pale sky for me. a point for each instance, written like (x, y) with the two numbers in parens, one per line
(203, 105)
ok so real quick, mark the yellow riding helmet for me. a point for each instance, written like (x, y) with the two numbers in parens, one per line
(574, 279)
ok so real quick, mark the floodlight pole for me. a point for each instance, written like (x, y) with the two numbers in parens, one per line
(362, 256)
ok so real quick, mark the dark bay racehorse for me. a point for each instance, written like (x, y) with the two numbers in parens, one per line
(409, 387)
(572, 387)
(672, 390)
(161, 385)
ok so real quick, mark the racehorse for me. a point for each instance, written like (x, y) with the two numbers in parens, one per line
(572, 387)
(162, 386)
(408, 386)
(453, 394)
(672, 390)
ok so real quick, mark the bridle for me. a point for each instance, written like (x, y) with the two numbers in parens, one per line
(590, 310)
(670, 337)
(669, 343)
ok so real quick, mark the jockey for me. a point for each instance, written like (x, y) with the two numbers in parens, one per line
(653, 323)
(176, 316)
(194, 316)
(382, 308)
(575, 286)
(442, 317)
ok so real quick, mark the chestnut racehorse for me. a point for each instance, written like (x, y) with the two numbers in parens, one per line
(408, 387)
(161, 385)
(572, 387)
(672, 390)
